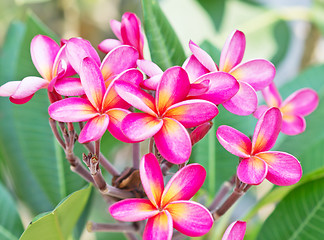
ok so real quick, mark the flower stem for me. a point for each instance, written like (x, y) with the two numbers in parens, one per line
(212, 159)
(103, 161)
(110, 227)
(136, 155)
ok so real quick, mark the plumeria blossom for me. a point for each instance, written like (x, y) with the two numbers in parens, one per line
(216, 87)
(299, 104)
(167, 116)
(128, 31)
(167, 207)
(103, 108)
(235, 231)
(256, 161)
(51, 63)
(252, 76)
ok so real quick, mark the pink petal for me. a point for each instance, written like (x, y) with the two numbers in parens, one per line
(272, 96)
(131, 32)
(118, 60)
(200, 132)
(43, 51)
(258, 73)
(69, 87)
(140, 126)
(94, 129)
(260, 110)
(62, 66)
(191, 113)
(116, 116)
(28, 86)
(173, 141)
(222, 87)
(252, 170)
(197, 89)
(232, 52)
(132, 75)
(152, 178)
(108, 44)
(234, 141)
(283, 168)
(115, 27)
(92, 82)
(194, 68)
(293, 124)
(235, 231)
(203, 57)
(9, 88)
(149, 67)
(152, 82)
(244, 102)
(135, 96)
(266, 130)
(159, 227)
(133, 210)
(173, 87)
(72, 110)
(184, 184)
(190, 218)
(77, 49)
(301, 102)
(21, 100)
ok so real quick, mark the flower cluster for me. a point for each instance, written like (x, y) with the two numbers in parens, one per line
(135, 100)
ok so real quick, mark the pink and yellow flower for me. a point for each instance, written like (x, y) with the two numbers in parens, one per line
(299, 104)
(167, 207)
(128, 31)
(235, 231)
(167, 116)
(252, 76)
(256, 161)
(103, 108)
(51, 63)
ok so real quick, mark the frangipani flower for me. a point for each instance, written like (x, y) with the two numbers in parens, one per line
(167, 116)
(128, 31)
(257, 162)
(235, 231)
(299, 104)
(252, 76)
(169, 206)
(103, 108)
(50, 61)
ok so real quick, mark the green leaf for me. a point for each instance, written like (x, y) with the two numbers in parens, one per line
(215, 10)
(165, 47)
(298, 216)
(317, 16)
(40, 173)
(59, 223)
(10, 223)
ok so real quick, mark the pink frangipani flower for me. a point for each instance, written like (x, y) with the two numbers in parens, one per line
(256, 161)
(51, 63)
(103, 108)
(167, 207)
(252, 76)
(299, 104)
(128, 31)
(167, 116)
(235, 231)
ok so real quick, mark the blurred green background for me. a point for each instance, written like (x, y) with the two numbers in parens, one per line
(35, 176)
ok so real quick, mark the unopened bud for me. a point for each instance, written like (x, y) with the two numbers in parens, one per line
(200, 132)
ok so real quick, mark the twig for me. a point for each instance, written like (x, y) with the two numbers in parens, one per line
(109, 227)
(136, 155)
(103, 161)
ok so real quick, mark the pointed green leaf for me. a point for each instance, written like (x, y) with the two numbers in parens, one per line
(165, 47)
(298, 216)
(10, 223)
(215, 10)
(59, 223)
